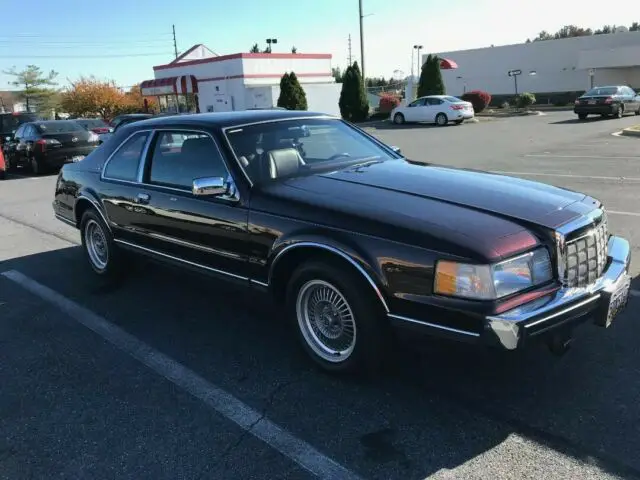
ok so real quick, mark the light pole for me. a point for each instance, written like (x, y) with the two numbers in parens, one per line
(270, 42)
(419, 63)
(464, 84)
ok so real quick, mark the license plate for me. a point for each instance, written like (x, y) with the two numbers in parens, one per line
(592, 102)
(618, 300)
(77, 158)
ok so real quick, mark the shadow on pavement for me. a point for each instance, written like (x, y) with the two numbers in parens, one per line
(408, 126)
(438, 406)
(576, 120)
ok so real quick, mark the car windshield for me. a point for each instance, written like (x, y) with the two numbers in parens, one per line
(92, 123)
(58, 126)
(602, 91)
(453, 99)
(300, 147)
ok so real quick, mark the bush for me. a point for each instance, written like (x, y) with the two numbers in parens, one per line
(388, 102)
(504, 105)
(353, 102)
(479, 99)
(526, 99)
(292, 95)
(431, 82)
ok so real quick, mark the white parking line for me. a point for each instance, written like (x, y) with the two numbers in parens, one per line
(631, 214)
(223, 402)
(567, 175)
(550, 155)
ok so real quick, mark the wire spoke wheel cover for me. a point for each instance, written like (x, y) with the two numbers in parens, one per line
(96, 244)
(326, 321)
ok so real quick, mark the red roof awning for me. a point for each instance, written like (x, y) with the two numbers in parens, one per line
(447, 64)
(171, 85)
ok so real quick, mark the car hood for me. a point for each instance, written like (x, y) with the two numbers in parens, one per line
(510, 197)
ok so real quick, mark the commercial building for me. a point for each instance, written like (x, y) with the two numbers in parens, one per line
(201, 81)
(549, 66)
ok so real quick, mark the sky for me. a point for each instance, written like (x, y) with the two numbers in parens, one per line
(122, 40)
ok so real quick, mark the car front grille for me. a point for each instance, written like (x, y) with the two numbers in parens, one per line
(584, 256)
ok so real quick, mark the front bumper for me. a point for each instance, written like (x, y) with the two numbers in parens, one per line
(512, 329)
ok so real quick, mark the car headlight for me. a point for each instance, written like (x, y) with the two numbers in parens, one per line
(491, 282)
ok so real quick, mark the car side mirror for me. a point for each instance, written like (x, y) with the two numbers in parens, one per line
(210, 186)
(396, 149)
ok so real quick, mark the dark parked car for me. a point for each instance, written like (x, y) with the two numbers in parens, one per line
(122, 120)
(48, 145)
(95, 125)
(9, 123)
(608, 101)
(350, 236)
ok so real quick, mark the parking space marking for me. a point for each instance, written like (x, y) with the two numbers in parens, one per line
(551, 155)
(616, 212)
(568, 175)
(223, 402)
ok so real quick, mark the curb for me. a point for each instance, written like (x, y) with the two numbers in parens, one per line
(628, 132)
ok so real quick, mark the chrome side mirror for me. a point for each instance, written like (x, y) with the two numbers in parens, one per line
(210, 186)
(396, 149)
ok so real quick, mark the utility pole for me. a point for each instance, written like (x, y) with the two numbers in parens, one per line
(350, 57)
(175, 44)
(364, 83)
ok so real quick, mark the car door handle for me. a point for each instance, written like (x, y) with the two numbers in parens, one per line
(143, 198)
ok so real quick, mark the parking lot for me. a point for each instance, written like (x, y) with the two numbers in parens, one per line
(176, 376)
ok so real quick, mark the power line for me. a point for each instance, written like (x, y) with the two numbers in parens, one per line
(89, 56)
(38, 35)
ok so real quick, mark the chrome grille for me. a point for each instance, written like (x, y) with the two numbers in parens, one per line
(585, 256)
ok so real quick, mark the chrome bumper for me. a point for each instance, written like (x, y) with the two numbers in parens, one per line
(509, 329)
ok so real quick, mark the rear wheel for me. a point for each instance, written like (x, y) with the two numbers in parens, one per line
(620, 112)
(338, 322)
(441, 120)
(36, 167)
(398, 119)
(104, 257)
(582, 116)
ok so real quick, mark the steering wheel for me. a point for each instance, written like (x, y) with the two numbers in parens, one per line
(338, 155)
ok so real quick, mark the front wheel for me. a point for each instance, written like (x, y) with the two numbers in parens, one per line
(441, 120)
(338, 321)
(458, 122)
(582, 116)
(102, 254)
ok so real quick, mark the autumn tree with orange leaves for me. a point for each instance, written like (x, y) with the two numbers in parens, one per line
(89, 96)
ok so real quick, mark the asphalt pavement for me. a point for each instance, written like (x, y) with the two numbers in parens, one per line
(176, 376)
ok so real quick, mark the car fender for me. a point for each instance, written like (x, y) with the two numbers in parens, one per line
(351, 254)
(88, 197)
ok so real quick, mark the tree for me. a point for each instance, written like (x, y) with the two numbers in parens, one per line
(292, 96)
(635, 27)
(34, 87)
(431, 82)
(136, 102)
(255, 48)
(89, 96)
(353, 102)
(336, 74)
(294, 49)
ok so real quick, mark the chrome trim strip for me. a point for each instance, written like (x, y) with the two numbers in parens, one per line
(337, 252)
(257, 282)
(562, 312)
(585, 220)
(117, 149)
(186, 243)
(433, 325)
(182, 260)
(97, 207)
(65, 220)
(142, 162)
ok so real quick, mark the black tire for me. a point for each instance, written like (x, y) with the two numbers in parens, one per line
(398, 119)
(112, 270)
(620, 112)
(35, 166)
(442, 120)
(638, 111)
(370, 339)
(3, 174)
(582, 116)
(458, 122)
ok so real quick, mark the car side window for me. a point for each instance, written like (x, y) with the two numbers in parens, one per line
(434, 101)
(29, 132)
(181, 157)
(19, 133)
(417, 103)
(124, 163)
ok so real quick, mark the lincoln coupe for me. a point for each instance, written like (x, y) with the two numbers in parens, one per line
(351, 238)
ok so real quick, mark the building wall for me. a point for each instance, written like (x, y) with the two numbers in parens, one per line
(560, 65)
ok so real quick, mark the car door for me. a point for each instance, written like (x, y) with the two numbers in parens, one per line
(205, 231)
(414, 111)
(433, 107)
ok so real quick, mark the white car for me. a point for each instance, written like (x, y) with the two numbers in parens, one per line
(438, 109)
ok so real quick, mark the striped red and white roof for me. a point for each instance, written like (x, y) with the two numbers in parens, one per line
(179, 85)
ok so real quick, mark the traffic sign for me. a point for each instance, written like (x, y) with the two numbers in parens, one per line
(512, 73)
